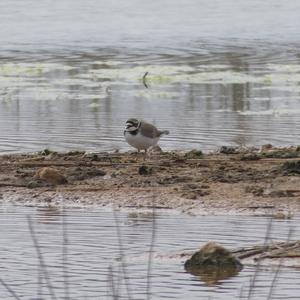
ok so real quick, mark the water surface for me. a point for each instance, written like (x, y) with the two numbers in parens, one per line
(220, 72)
(94, 248)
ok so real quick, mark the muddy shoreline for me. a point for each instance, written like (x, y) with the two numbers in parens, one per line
(229, 181)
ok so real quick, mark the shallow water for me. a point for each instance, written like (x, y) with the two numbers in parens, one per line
(93, 248)
(220, 72)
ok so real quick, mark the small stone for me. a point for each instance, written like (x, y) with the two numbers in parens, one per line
(51, 176)
(291, 167)
(281, 194)
(33, 184)
(229, 150)
(145, 170)
(266, 147)
(255, 190)
(94, 157)
(75, 153)
(95, 172)
(204, 186)
(250, 156)
(189, 195)
(193, 154)
(46, 152)
(281, 216)
(155, 150)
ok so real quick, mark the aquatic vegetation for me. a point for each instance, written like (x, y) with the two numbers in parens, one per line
(290, 68)
(156, 94)
(31, 69)
(274, 112)
(94, 105)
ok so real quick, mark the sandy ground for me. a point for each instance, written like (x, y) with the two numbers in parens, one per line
(231, 181)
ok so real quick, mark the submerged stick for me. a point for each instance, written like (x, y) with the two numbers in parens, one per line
(275, 278)
(11, 291)
(40, 284)
(65, 255)
(273, 250)
(252, 281)
(150, 258)
(144, 79)
(111, 283)
(122, 256)
(41, 259)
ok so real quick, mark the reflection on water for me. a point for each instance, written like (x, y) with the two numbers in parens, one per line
(83, 105)
(93, 249)
(213, 276)
(71, 72)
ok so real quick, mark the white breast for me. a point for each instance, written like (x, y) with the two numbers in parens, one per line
(139, 141)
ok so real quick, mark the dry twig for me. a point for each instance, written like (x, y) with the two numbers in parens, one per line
(41, 259)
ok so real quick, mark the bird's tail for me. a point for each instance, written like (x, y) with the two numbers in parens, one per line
(166, 132)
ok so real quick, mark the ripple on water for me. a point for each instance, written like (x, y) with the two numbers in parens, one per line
(93, 247)
(79, 105)
(70, 80)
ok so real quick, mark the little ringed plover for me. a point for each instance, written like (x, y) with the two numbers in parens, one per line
(142, 135)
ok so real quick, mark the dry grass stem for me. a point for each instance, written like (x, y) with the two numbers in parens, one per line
(42, 264)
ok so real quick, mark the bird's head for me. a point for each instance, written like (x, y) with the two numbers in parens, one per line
(132, 124)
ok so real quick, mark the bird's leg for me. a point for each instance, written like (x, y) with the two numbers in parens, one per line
(145, 155)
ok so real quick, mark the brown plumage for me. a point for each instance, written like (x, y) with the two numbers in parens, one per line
(151, 131)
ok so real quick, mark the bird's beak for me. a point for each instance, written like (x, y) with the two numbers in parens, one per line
(127, 126)
(130, 127)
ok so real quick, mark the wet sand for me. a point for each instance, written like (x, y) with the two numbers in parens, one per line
(231, 181)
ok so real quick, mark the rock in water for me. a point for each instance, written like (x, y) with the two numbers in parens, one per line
(51, 176)
(212, 263)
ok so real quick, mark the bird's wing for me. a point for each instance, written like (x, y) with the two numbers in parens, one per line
(149, 130)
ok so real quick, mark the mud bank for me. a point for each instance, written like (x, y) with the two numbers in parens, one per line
(231, 181)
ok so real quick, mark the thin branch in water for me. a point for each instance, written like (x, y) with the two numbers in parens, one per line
(253, 280)
(40, 283)
(275, 278)
(151, 252)
(11, 291)
(65, 255)
(111, 283)
(144, 79)
(40, 258)
(119, 279)
(122, 256)
(241, 292)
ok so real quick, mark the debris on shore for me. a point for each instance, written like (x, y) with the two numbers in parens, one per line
(262, 181)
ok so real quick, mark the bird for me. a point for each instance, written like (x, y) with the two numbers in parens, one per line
(142, 135)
